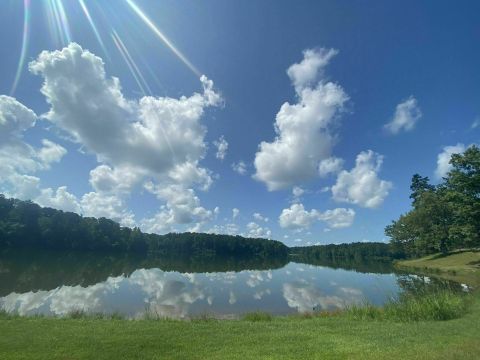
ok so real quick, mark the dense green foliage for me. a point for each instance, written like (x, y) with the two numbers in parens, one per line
(24, 224)
(444, 217)
(343, 252)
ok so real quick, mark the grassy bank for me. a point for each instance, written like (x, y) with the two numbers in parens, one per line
(461, 266)
(347, 335)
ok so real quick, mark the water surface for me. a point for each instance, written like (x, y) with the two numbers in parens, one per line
(58, 283)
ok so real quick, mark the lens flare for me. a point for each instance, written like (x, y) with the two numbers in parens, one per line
(93, 26)
(140, 80)
(162, 37)
(25, 41)
(58, 22)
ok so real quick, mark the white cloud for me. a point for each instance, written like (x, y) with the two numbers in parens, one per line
(59, 199)
(182, 207)
(260, 217)
(109, 206)
(303, 74)
(18, 159)
(235, 213)
(304, 130)
(153, 134)
(256, 231)
(160, 140)
(406, 116)
(296, 217)
(240, 167)
(338, 218)
(361, 185)
(332, 165)
(51, 152)
(297, 191)
(443, 159)
(222, 146)
(15, 118)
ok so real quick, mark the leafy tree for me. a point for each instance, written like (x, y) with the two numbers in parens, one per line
(444, 217)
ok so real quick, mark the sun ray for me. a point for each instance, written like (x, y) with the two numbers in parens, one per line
(58, 22)
(25, 41)
(162, 37)
(94, 27)
(139, 79)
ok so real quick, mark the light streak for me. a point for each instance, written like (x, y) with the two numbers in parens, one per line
(140, 80)
(93, 26)
(162, 37)
(25, 41)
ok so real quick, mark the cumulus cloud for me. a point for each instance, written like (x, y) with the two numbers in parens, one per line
(240, 167)
(182, 207)
(222, 146)
(338, 218)
(406, 116)
(153, 134)
(59, 199)
(255, 230)
(332, 165)
(297, 191)
(305, 129)
(260, 217)
(296, 217)
(154, 139)
(18, 159)
(361, 185)
(443, 159)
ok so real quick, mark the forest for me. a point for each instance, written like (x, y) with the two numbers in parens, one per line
(444, 217)
(24, 224)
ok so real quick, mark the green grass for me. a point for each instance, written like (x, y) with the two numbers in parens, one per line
(435, 306)
(461, 266)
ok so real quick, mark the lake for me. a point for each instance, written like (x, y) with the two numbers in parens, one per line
(59, 283)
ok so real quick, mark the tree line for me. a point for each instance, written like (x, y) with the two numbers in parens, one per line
(443, 217)
(24, 224)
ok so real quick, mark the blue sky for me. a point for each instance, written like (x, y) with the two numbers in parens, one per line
(380, 91)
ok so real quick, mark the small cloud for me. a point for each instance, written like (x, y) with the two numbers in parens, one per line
(240, 167)
(475, 124)
(260, 217)
(443, 159)
(406, 116)
(235, 213)
(222, 146)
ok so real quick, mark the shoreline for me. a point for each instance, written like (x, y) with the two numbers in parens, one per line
(460, 266)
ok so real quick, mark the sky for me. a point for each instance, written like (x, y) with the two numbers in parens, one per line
(298, 121)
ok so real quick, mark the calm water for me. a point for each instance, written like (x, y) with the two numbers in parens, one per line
(60, 283)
